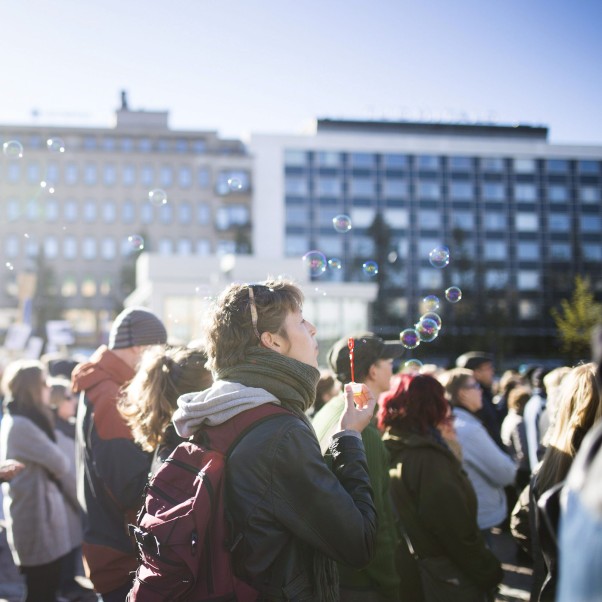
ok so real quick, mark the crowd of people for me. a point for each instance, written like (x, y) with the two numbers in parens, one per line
(371, 482)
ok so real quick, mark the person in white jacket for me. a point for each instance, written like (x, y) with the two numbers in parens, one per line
(489, 469)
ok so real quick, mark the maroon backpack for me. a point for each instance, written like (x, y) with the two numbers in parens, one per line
(184, 544)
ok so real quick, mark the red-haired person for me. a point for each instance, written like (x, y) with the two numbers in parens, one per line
(434, 500)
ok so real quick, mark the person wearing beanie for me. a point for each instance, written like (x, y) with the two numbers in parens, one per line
(111, 469)
(373, 366)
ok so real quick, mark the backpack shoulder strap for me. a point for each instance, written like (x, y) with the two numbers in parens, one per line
(224, 437)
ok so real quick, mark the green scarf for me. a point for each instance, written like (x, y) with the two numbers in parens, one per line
(294, 384)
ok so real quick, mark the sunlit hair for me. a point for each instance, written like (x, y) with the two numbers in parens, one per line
(22, 385)
(579, 407)
(150, 399)
(230, 331)
(509, 380)
(518, 398)
(453, 381)
(414, 402)
(59, 387)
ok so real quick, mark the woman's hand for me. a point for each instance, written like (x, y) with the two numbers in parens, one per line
(359, 409)
(10, 469)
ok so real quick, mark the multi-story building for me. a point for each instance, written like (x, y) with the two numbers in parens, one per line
(78, 204)
(521, 217)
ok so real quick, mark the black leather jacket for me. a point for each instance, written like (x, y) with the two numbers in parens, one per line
(285, 502)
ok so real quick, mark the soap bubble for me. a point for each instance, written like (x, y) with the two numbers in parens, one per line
(334, 263)
(392, 257)
(341, 223)
(315, 262)
(55, 145)
(136, 242)
(370, 268)
(409, 338)
(430, 315)
(412, 365)
(439, 257)
(427, 330)
(10, 266)
(234, 184)
(431, 302)
(157, 197)
(453, 294)
(13, 149)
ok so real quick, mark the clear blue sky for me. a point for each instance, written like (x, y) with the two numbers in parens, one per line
(241, 66)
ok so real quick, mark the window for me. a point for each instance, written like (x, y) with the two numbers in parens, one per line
(203, 178)
(527, 280)
(560, 251)
(128, 212)
(362, 160)
(32, 248)
(203, 247)
(203, 214)
(225, 247)
(559, 222)
(89, 143)
(89, 248)
(460, 164)
(52, 210)
(109, 212)
(557, 166)
(295, 158)
(527, 310)
(33, 173)
(557, 194)
(430, 279)
(108, 248)
(525, 192)
(396, 218)
(162, 145)
(166, 176)
(166, 214)
(426, 245)
(105, 286)
(496, 279)
(526, 222)
(13, 210)
(232, 215)
(89, 211)
(199, 147)
(70, 211)
(524, 165)
(232, 181)
(328, 159)
(145, 145)
(463, 220)
(11, 246)
(527, 251)
(185, 213)
(362, 187)
(88, 286)
(147, 175)
(328, 187)
(184, 246)
(461, 191)
(427, 162)
(52, 173)
(69, 286)
(429, 191)
(361, 217)
(589, 194)
(90, 174)
(51, 247)
(429, 220)
(395, 161)
(395, 188)
(331, 246)
(181, 145)
(591, 223)
(146, 213)
(14, 172)
(32, 210)
(69, 247)
(494, 221)
(165, 246)
(495, 250)
(109, 144)
(185, 177)
(296, 245)
(363, 246)
(588, 167)
(127, 145)
(592, 252)
(295, 186)
(109, 174)
(492, 164)
(129, 175)
(71, 174)
(297, 215)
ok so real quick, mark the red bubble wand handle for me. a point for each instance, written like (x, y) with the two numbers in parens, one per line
(351, 345)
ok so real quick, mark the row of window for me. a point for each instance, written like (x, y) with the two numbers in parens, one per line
(391, 161)
(128, 175)
(107, 248)
(127, 212)
(428, 219)
(399, 188)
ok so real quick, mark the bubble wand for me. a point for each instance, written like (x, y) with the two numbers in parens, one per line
(351, 345)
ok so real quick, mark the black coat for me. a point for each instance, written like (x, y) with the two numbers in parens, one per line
(445, 520)
(287, 503)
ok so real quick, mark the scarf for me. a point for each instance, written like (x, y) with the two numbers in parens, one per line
(38, 417)
(293, 383)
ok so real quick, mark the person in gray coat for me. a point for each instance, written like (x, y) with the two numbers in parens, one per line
(34, 500)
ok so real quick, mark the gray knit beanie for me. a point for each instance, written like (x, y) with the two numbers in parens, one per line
(136, 326)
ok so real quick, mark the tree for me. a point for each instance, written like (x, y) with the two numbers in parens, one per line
(576, 318)
(380, 232)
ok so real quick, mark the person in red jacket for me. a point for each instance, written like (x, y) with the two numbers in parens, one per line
(111, 469)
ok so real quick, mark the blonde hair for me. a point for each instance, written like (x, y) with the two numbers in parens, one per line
(453, 380)
(150, 399)
(579, 408)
